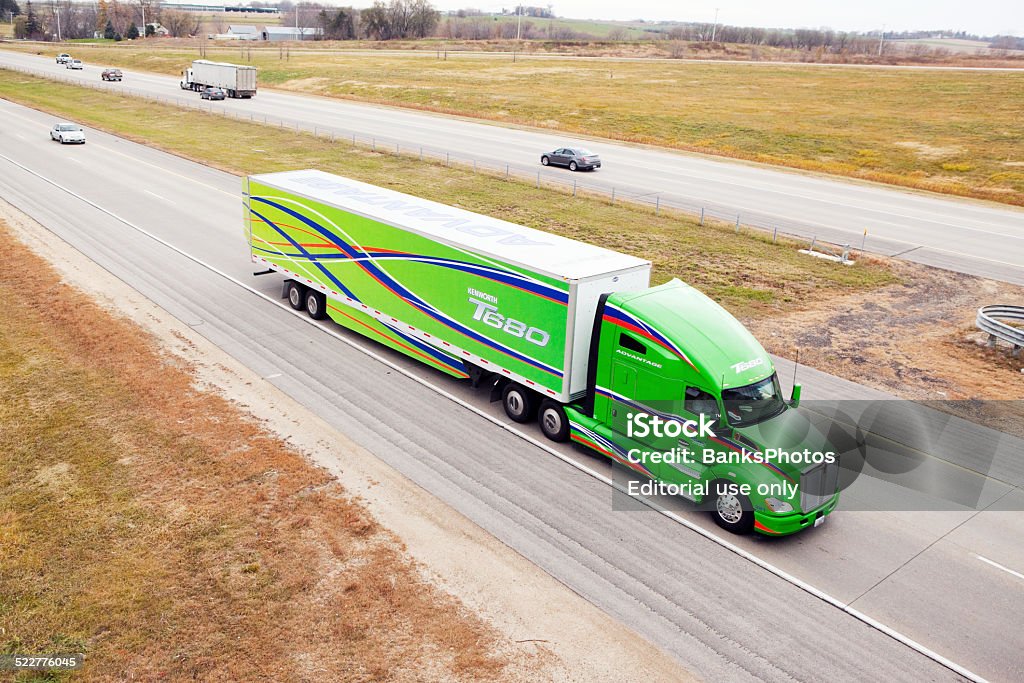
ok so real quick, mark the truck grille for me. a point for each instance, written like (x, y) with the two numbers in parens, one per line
(818, 484)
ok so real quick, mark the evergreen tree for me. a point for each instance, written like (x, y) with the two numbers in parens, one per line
(33, 28)
(132, 33)
(108, 32)
(9, 6)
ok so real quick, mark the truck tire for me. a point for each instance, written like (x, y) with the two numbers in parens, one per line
(518, 402)
(316, 305)
(553, 421)
(295, 296)
(732, 511)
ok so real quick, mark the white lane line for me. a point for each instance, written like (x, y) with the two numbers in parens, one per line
(999, 566)
(728, 545)
(274, 376)
(156, 195)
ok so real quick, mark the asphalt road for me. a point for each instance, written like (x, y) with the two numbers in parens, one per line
(972, 237)
(951, 581)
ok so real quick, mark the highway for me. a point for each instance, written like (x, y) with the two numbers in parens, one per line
(979, 238)
(951, 581)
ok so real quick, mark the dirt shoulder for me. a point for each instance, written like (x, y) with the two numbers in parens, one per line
(915, 338)
(161, 512)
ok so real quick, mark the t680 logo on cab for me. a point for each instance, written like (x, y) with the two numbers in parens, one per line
(488, 313)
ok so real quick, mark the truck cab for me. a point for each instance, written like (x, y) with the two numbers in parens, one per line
(698, 365)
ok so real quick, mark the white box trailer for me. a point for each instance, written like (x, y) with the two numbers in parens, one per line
(438, 282)
(235, 79)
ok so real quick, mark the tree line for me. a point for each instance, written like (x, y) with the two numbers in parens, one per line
(397, 19)
(112, 19)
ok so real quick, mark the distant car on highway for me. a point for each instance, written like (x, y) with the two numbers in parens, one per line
(574, 158)
(63, 58)
(67, 133)
(73, 64)
(111, 75)
(211, 93)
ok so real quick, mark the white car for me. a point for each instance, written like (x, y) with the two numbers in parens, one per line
(73, 64)
(68, 133)
(63, 58)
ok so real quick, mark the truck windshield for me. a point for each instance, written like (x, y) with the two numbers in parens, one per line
(754, 403)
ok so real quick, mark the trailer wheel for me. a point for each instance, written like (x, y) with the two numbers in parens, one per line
(553, 421)
(295, 298)
(316, 305)
(732, 511)
(518, 402)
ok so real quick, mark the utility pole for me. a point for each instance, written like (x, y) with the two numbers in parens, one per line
(143, 8)
(881, 39)
(714, 27)
(519, 21)
(57, 12)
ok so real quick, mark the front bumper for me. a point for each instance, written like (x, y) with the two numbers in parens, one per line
(783, 525)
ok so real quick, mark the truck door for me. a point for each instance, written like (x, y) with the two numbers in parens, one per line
(623, 384)
(695, 402)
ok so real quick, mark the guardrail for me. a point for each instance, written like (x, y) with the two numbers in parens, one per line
(990, 319)
(545, 177)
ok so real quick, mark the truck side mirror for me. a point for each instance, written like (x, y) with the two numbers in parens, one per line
(794, 400)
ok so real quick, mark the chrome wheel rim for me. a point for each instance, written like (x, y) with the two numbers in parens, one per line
(293, 296)
(515, 403)
(311, 305)
(729, 508)
(552, 421)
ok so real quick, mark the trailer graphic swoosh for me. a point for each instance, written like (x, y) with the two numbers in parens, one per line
(366, 263)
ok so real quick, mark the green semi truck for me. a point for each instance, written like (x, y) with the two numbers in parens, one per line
(661, 380)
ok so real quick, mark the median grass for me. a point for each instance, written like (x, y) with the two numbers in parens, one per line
(164, 534)
(746, 272)
(955, 132)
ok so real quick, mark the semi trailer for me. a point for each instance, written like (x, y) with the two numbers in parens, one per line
(662, 379)
(236, 80)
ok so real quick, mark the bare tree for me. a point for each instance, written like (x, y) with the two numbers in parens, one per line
(180, 23)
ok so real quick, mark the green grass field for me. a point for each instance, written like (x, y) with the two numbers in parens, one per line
(947, 131)
(747, 272)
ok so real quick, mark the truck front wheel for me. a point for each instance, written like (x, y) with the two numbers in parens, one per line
(518, 402)
(732, 510)
(553, 421)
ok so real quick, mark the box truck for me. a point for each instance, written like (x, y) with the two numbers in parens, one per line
(662, 380)
(234, 79)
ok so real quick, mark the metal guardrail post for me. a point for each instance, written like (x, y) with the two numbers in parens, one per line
(702, 215)
(990, 320)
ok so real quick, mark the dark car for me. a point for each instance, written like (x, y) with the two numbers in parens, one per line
(212, 93)
(111, 75)
(575, 158)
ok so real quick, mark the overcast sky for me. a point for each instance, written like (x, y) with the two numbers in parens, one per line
(985, 17)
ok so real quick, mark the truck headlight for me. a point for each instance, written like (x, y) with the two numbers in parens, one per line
(776, 505)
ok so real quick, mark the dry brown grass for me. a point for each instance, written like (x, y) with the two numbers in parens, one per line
(915, 339)
(162, 532)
